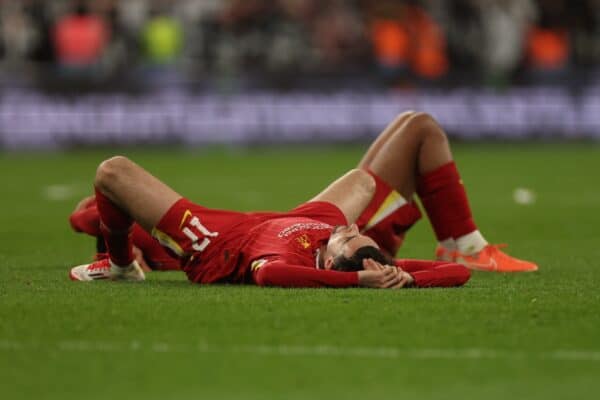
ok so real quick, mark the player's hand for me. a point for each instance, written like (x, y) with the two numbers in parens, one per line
(378, 279)
(376, 275)
(404, 279)
(139, 257)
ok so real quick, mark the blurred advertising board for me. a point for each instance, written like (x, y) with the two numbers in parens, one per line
(31, 119)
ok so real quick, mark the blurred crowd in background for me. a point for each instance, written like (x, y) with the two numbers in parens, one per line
(287, 44)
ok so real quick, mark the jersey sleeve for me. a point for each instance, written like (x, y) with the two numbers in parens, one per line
(435, 273)
(279, 273)
(322, 211)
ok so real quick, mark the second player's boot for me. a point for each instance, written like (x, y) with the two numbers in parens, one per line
(491, 258)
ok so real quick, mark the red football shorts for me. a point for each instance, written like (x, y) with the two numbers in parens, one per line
(189, 228)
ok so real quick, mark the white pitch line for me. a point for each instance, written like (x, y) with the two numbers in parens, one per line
(313, 350)
(575, 355)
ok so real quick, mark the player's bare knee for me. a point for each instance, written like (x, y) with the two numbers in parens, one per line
(422, 119)
(363, 180)
(424, 125)
(403, 116)
(109, 171)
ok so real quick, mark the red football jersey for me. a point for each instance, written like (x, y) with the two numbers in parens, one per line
(232, 242)
(293, 240)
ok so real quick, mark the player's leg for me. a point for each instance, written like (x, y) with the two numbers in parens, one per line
(138, 195)
(125, 193)
(414, 156)
(86, 219)
(407, 148)
(405, 158)
(383, 138)
(411, 146)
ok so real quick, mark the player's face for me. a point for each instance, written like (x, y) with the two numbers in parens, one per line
(345, 240)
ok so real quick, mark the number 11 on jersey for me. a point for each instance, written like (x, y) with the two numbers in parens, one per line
(195, 224)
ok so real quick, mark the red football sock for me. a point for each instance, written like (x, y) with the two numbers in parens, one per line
(86, 221)
(116, 227)
(445, 200)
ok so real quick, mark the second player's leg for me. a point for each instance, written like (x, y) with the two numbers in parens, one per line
(411, 145)
(413, 155)
(383, 138)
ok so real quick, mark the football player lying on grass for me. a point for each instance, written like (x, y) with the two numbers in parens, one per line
(342, 237)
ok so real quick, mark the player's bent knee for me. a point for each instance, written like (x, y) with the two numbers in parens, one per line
(363, 180)
(424, 123)
(109, 170)
(403, 116)
(422, 119)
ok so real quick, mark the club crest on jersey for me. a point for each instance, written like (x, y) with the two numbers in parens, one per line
(303, 241)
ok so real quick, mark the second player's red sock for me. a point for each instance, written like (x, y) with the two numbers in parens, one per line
(116, 227)
(445, 200)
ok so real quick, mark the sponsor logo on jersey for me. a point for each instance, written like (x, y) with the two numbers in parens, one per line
(186, 214)
(304, 241)
(303, 226)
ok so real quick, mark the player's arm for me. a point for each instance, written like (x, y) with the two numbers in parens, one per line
(279, 273)
(351, 193)
(434, 273)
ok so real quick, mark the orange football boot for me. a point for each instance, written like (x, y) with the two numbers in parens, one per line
(491, 258)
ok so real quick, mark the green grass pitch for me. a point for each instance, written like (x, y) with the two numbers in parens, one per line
(528, 336)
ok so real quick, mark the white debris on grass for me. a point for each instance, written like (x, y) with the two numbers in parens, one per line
(524, 196)
(59, 192)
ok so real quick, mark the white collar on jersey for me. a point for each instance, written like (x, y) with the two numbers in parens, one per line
(318, 252)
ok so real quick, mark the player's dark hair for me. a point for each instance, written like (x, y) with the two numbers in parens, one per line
(355, 262)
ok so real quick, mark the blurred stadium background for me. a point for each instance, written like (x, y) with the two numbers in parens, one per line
(195, 72)
(256, 104)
